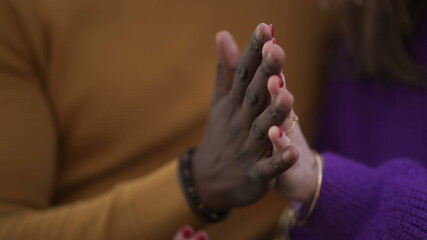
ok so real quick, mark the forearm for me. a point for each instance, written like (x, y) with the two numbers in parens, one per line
(151, 207)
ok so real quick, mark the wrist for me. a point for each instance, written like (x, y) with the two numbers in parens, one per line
(188, 187)
(303, 212)
(309, 186)
(204, 186)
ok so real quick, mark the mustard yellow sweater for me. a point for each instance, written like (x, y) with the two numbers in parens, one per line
(96, 99)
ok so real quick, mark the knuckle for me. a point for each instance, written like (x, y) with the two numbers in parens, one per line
(277, 113)
(258, 132)
(252, 98)
(228, 107)
(233, 131)
(277, 164)
(266, 70)
(258, 175)
(242, 72)
(255, 45)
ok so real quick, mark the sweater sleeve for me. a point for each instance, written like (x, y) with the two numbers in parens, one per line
(149, 207)
(359, 202)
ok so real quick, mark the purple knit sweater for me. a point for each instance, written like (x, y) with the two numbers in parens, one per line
(374, 139)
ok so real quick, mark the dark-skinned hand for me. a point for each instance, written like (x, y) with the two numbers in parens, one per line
(233, 165)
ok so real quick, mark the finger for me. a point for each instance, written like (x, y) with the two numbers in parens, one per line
(290, 123)
(257, 96)
(278, 138)
(200, 235)
(275, 114)
(271, 85)
(184, 233)
(275, 84)
(249, 63)
(267, 46)
(269, 168)
(275, 134)
(228, 58)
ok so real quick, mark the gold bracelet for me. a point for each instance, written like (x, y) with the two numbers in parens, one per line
(319, 163)
(288, 218)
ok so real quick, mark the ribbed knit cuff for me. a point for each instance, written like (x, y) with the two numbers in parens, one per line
(348, 193)
(156, 204)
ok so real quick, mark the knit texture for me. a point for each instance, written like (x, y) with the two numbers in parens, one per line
(358, 202)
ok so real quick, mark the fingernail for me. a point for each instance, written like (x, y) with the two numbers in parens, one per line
(258, 34)
(280, 132)
(274, 41)
(271, 30)
(281, 82)
(186, 232)
(201, 236)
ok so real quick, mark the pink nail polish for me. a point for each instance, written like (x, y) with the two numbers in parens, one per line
(201, 236)
(271, 30)
(281, 82)
(274, 41)
(280, 132)
(186, 232)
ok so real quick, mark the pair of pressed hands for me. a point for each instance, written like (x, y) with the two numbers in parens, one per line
(244, 152)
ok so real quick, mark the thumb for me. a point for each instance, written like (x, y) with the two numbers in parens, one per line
(228, 58)
(269, 168)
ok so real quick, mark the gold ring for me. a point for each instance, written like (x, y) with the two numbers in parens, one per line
(294, 120)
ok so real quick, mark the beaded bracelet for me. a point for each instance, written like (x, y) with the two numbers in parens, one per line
(185, 174)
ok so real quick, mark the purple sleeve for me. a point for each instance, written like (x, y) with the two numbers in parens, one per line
(359, 202)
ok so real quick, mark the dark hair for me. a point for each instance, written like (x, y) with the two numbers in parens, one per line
(379, 34)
